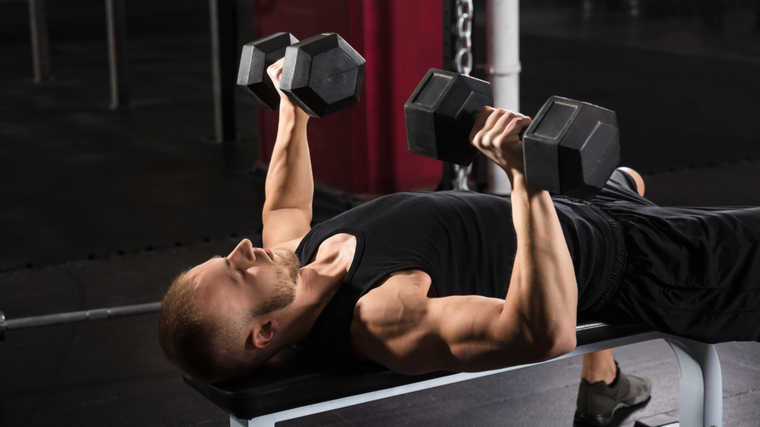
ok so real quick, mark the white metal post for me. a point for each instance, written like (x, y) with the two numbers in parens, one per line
(701, 388)
(503, 67)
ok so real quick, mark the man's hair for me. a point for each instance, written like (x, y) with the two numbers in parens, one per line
(198, 345)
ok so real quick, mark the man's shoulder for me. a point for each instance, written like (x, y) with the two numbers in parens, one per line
(395, 294)
(407, 281)
(385, 321)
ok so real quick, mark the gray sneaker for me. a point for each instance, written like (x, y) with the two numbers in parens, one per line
(598, 402)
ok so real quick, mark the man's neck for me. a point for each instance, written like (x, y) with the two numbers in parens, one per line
(318, 281)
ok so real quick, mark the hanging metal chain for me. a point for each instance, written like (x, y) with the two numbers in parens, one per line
(461, 177)
(464, 66)
(464, 33)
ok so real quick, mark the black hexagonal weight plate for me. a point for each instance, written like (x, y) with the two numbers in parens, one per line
(440, 115)
(257, 56)
(323, 74)
(571, 148)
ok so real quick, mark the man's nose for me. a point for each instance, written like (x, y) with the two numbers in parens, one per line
(244, 251)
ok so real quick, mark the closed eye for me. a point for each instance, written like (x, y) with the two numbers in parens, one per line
(241, 271)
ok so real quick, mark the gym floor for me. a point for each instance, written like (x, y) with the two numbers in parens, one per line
(102, 208)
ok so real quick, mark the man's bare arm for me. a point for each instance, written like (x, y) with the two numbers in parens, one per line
(289, 185)
(398, 326)
(543, 293)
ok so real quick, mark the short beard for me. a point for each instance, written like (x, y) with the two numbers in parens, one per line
(286, 276)
(290, 265)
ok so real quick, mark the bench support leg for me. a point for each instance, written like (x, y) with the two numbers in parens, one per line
(263, 421)
(701, 395)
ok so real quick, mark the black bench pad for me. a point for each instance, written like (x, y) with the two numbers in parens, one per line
(292, 380)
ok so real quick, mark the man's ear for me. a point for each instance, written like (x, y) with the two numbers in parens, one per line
(265, 334)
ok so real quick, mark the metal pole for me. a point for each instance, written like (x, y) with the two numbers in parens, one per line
(449, 41)
(40, 41)
(503, 46)
(117, 53)
(701, 382)
(76, 316)
(223, 66)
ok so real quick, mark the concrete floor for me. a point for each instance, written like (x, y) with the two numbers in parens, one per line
(100, 208)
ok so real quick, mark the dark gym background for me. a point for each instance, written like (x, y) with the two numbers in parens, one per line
(102, 208)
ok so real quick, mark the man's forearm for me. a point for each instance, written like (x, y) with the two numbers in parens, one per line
(289, 183)
(543, 292)
(540, 308)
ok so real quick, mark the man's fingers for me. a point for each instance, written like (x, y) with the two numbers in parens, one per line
(494, 126)
(496, 134)
(501, 121)
(278, 63)
(519, 126)
(480, 120)
(275, 69)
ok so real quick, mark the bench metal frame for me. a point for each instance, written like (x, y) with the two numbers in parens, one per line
(701, 393)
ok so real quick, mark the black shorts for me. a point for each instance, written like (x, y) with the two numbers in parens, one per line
(692, 272)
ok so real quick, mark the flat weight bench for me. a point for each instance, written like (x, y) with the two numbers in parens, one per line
(291, 385)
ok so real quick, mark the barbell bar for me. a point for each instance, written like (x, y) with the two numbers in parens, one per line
(76, 317)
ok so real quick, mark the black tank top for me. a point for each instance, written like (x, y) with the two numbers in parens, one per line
(465, 241)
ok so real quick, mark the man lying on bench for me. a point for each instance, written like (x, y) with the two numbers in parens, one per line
(462, 281)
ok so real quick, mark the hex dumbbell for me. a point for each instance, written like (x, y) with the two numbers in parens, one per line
(570, 148)
(322, 74)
